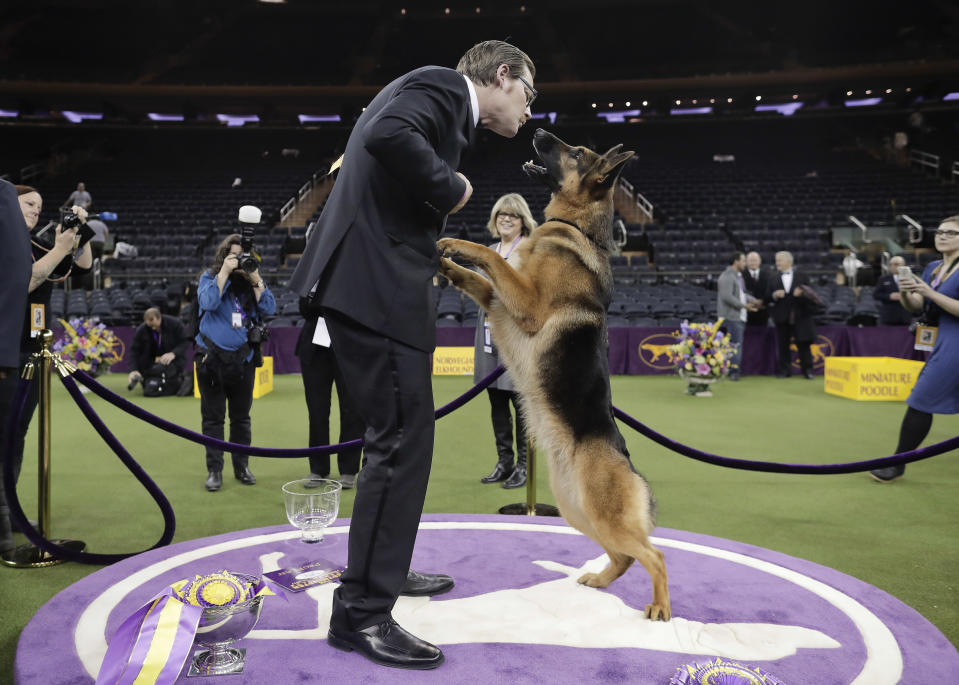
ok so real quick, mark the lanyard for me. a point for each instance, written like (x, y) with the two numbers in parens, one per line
(943, 274)
(237, 308)
(511, 247)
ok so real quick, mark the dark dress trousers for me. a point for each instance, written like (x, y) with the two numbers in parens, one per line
(372, 256)
(794, 318)
(891, 312)
(320, 372)
(757, 287)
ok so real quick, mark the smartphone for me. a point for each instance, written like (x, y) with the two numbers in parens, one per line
(905, 272)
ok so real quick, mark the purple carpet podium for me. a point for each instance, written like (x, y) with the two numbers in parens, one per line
(517, 614)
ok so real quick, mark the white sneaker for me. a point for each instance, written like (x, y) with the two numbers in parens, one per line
(348, 481)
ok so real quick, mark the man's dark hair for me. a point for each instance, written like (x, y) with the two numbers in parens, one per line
(735, 256)
(481, 61)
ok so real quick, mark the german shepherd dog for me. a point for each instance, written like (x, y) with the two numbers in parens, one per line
(548, 320)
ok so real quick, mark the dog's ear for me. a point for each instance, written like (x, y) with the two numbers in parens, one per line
(612, 165)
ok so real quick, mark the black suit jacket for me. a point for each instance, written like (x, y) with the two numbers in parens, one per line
(373, 250)
(802, 310)
(173, 338)
(757, 287)
(891, 313)
(16, 264)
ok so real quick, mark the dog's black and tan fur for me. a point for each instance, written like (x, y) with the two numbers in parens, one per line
(548, 319)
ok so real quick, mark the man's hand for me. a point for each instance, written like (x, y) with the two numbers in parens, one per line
(166, 358)
(133, 376)
(779, 294)
(797, 292)
(895, 297)
(466, 196)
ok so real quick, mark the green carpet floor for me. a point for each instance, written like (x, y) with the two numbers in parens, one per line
(899, 537)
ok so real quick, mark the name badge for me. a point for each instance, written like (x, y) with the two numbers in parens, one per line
(38, 319)
(237, 320)
(926, 337)
(487, 338)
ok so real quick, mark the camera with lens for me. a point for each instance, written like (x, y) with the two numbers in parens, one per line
(249, 218)
(258, 333)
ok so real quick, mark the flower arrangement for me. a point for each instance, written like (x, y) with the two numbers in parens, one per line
(702, 354)
(89, 344)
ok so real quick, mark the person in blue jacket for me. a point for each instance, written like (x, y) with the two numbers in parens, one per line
(231, 303)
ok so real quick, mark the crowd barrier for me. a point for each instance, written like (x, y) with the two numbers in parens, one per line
(67, 374)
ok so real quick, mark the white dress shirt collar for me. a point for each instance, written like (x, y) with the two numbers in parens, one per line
(474, 101)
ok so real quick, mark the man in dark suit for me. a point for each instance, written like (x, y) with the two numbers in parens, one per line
(158, 351)
(371, 259)
(756, 279)
(15, 267)
(886, 293)
(792, 310)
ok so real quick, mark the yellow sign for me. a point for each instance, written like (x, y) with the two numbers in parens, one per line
(262, 380)
(871, 378)
(453, 361)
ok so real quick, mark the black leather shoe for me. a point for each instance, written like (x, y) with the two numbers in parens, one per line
(425, 584)
(387, 644)
(499, 473)
(888, 474)
(245, 476)
(517, 479)
(214, 481)
(808, 375)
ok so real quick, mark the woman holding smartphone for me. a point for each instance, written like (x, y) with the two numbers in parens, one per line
(936, 296)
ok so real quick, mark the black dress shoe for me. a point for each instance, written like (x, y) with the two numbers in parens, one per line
(425, 584)
(888, 474)
(517, 479)
(808, 375)
(214, 481)
(783, 375)
(387, 644)
(499, 473)
(245, 476)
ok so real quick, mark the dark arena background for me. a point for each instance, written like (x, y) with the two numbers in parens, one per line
(827, 129)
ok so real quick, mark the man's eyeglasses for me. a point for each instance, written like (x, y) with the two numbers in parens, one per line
(531, 95)
(947, 233)
(507, 215)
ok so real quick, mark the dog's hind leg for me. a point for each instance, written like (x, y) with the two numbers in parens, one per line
(618, 565)
(468, 281)
(655, 564)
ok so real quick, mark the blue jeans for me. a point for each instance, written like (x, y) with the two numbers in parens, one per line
(736, 330)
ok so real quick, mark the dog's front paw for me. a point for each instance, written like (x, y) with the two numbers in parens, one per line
(658, 612)
(592, 580)
(447, 247)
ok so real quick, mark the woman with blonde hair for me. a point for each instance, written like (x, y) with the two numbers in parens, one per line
(510, 220)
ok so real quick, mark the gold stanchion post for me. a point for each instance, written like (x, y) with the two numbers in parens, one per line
(28, 556)
(530, 507)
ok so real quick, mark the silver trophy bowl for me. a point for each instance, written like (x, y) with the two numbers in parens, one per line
(220, 627)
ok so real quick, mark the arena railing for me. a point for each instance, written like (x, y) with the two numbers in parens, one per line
(926, 159)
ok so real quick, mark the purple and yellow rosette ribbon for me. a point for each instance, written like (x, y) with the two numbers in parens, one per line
(721, 672)
(151, 645)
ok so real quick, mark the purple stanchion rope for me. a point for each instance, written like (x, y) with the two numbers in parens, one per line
(16, 511)
(281, 452)
(775, 467)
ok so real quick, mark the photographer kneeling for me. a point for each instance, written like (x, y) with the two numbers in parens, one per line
(231, 302)
(157, 354)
